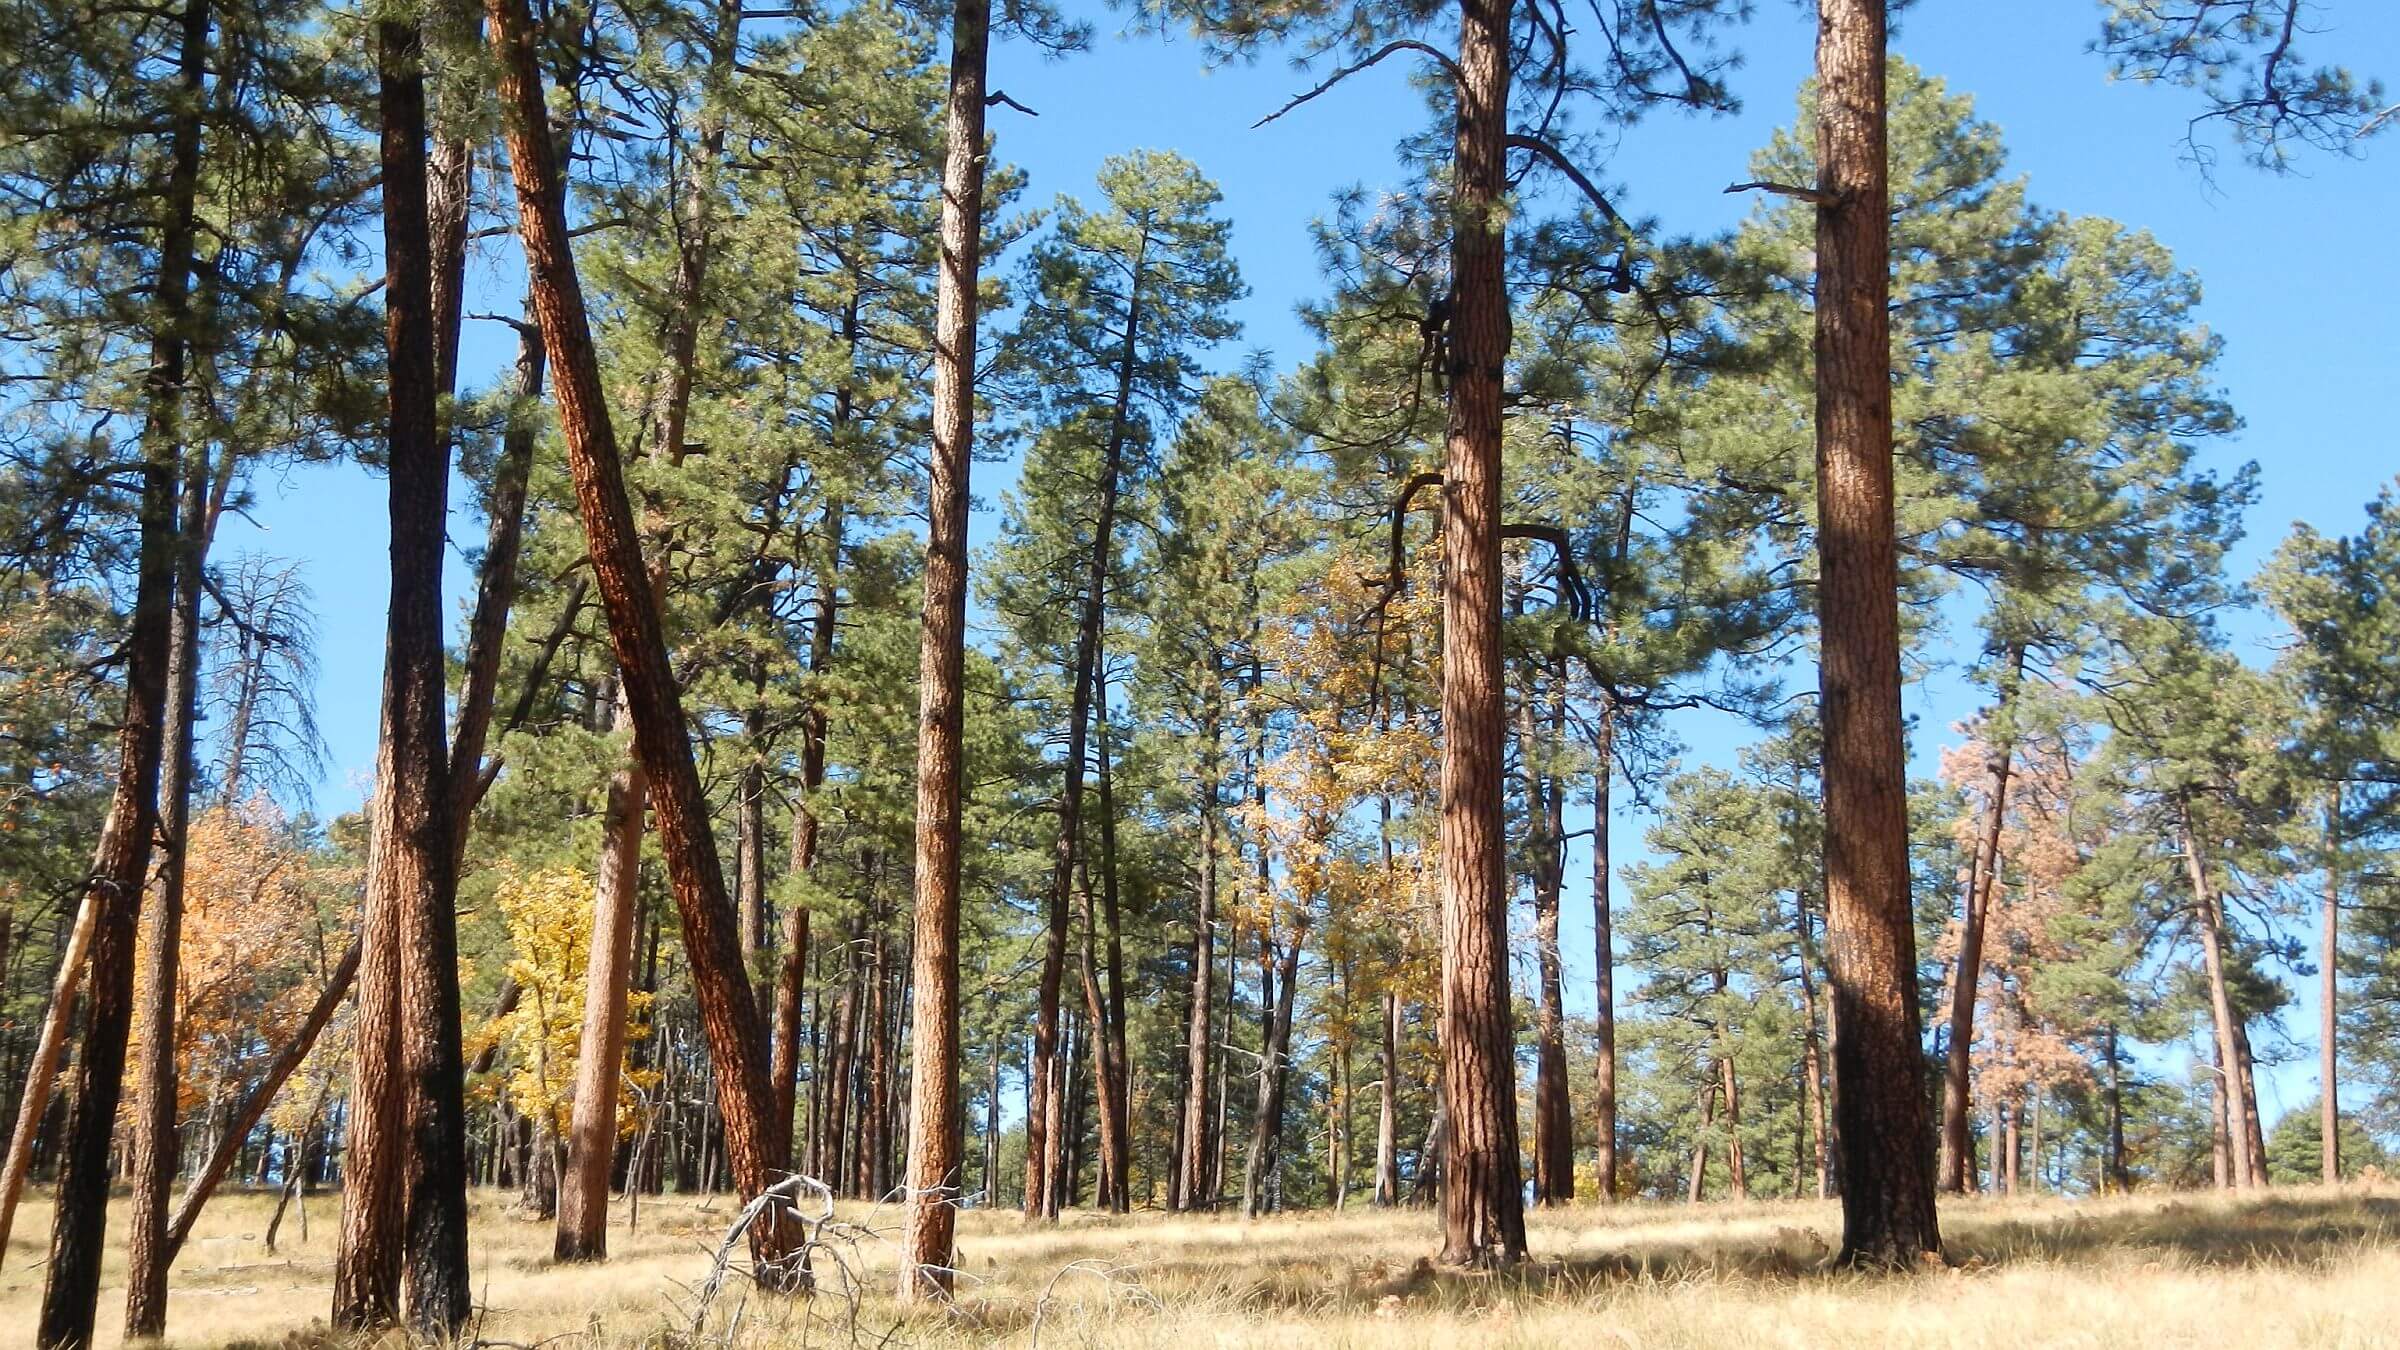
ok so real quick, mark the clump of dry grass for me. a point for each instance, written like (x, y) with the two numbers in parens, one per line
(2302, 1267)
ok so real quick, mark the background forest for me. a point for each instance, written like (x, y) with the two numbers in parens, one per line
(1197, 759)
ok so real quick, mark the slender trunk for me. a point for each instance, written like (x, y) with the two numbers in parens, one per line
(784, 1067)
(1886, 1138)
(253, 1106)
(1604, 955)
(1114, 1063)
(600, 1047)
(1104, 1068)
(2120, 1179)
(154, 1139)
(1483, 1218)
(1708, 1119)
(728, 1012)
(120, 863)
(1983, 882)
(41, 1072)
(495, 589)
(1387, 1120)
(1553, 1120)
(1812, 1063)
(1193, 1149)
(2248, 1146)
(2329, 1103)
(1274, 1073)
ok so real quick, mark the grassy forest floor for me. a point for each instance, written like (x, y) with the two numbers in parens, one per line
(2300, 1267)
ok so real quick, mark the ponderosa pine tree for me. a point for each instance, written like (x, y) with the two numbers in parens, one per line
(1887, 1172)
(1121, 300)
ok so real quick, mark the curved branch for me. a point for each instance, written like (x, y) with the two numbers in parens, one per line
(1375, 57)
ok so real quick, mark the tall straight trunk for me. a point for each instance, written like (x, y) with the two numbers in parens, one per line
(121, 862)
(1887, 1164)
(408, 1009)
(2329, 1103)
(2249, 1149)
(1193, 1148)
(154, 1144)
(1812, 1063)
(1114, 1064)
(1553, 1121)
(1387, 1120)
(784, 1064)
(1483, 1215)
(1698, 1187)
(1274, 1069)
(729, 1014)
(1604, 955)
(1104, 1068)
(600, 1053)
(2221, 1152)
(1983, 882)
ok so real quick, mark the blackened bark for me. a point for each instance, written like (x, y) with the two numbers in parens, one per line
(1274, 1070)
(1885, 1131)
(1483, 1217)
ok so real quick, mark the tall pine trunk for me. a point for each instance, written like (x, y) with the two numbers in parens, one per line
(756, 1144)
(1886, 1136)
(2239, 1091)
(1553, 1119)
(935, 1145)
(1604, 954)
(1483, 1214)
(1192, 1148)
(2329, 1104)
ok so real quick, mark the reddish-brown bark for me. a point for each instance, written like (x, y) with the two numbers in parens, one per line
(1483, 1216)
(1885, 1130)
(755, 1145)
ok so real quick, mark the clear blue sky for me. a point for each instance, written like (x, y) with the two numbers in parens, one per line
(2300, 272)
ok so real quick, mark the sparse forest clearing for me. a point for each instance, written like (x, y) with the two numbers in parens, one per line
(2305, 1266)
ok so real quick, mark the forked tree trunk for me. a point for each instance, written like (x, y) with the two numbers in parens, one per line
(934, 1143)
(1885, 1134)
(120, 864)
(729, 1014)
(1483, 1214)
(1274, 1070)
(2248, 1146)
(154, 1145)
(1983, 882)
(409, 997)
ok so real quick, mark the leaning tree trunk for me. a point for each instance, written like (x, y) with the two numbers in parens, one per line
(756, 1143)
(1886, 1137)
(1983, 882)
(71, 1289)
(934, 1143)
(1483, 1214)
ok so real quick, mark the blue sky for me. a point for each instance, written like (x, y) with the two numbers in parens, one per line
(2300, 275)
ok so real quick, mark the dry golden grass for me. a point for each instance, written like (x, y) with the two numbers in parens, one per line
(2305, 1267)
